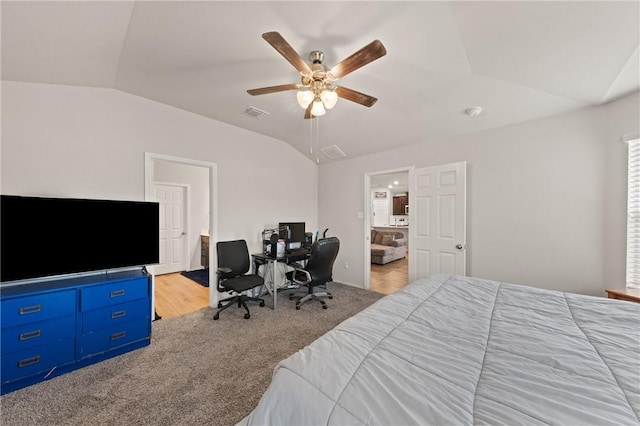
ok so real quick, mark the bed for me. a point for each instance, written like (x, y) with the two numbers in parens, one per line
(458, 350)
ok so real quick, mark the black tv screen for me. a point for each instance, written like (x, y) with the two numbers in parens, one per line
(296, 231)
(41, 237)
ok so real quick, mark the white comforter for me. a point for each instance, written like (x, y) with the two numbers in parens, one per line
(458, 350)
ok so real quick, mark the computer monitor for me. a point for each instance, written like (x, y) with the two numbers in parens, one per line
(295, 234)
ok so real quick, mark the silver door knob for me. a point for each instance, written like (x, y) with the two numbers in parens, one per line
(459, 246)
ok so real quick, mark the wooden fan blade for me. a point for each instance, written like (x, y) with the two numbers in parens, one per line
(307, 113)
(354, 96)
(280, 44)
(272, 89)
(362, 57)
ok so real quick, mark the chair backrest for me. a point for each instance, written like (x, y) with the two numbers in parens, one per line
(320, 263)
(233, 255)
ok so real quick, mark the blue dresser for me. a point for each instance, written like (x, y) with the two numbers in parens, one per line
(52, 327)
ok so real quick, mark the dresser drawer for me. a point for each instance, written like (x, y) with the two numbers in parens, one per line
(37, 360)
(110, 338)
(100, 296)
(39, 333)
(23, 310)
(112, 316)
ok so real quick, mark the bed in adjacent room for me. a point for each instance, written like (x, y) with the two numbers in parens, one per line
(460, 350)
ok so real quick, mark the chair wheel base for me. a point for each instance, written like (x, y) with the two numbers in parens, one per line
(261, 304)
(290, 297)
(330, 297)
(324, 306)
(298, 308)
(216, 316)
(247, 316)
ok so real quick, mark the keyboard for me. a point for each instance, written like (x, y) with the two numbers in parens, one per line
(298, 252)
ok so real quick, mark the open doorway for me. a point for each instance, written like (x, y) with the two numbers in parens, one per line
(185, 190)
(387, 225)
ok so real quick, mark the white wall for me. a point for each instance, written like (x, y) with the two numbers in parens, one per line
(545, 199)
(90, 142)
(197, 180)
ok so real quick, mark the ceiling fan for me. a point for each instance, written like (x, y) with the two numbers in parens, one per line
(318, 90)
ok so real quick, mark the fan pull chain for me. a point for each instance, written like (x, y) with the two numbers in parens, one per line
(310, 136)
(317, 137)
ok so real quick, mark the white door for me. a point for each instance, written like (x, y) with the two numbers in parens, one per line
(380, 210)
(172, 235)
(437, 219)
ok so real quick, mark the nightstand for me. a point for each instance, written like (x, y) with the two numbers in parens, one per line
(628, 294)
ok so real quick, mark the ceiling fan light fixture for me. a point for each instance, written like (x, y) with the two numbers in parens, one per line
(329, 98)
(316, 92)
(318, 109)
(305, 97)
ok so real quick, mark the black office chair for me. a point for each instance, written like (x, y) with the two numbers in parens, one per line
(317, 272)
(233, 265)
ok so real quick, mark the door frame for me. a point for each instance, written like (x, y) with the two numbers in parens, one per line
(367, 220)
(149, 158)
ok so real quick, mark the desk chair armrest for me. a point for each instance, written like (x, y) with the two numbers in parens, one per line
(305, 272)
(295, 265)
(223, 270)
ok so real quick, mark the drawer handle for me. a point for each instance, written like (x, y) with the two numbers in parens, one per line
(30, 335)
(119, 335)
(28, 361)
(116, 293)
(118, 314)
(30, 309)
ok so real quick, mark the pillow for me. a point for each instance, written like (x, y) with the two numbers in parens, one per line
(387, 240)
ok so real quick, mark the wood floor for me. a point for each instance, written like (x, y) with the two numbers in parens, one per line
(177, 295)
(391, 277)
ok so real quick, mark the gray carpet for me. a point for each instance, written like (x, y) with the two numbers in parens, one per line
(196, 370)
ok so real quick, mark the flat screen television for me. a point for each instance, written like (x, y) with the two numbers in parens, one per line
(42, 237)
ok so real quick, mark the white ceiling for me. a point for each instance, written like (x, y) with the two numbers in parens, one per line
(518, 60)
(388, 179)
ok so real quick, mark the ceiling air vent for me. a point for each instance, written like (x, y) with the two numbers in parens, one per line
(332, 152)
(254, 112)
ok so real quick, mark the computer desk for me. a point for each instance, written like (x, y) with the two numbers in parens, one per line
(263, 259)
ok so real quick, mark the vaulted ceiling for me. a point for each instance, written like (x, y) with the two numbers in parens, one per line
(518, 60)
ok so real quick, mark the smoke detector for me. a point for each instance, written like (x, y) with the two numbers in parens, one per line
(473, 111)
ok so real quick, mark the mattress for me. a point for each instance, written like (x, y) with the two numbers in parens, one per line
(458, 350)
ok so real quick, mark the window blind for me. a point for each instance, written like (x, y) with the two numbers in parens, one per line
(633, 215)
